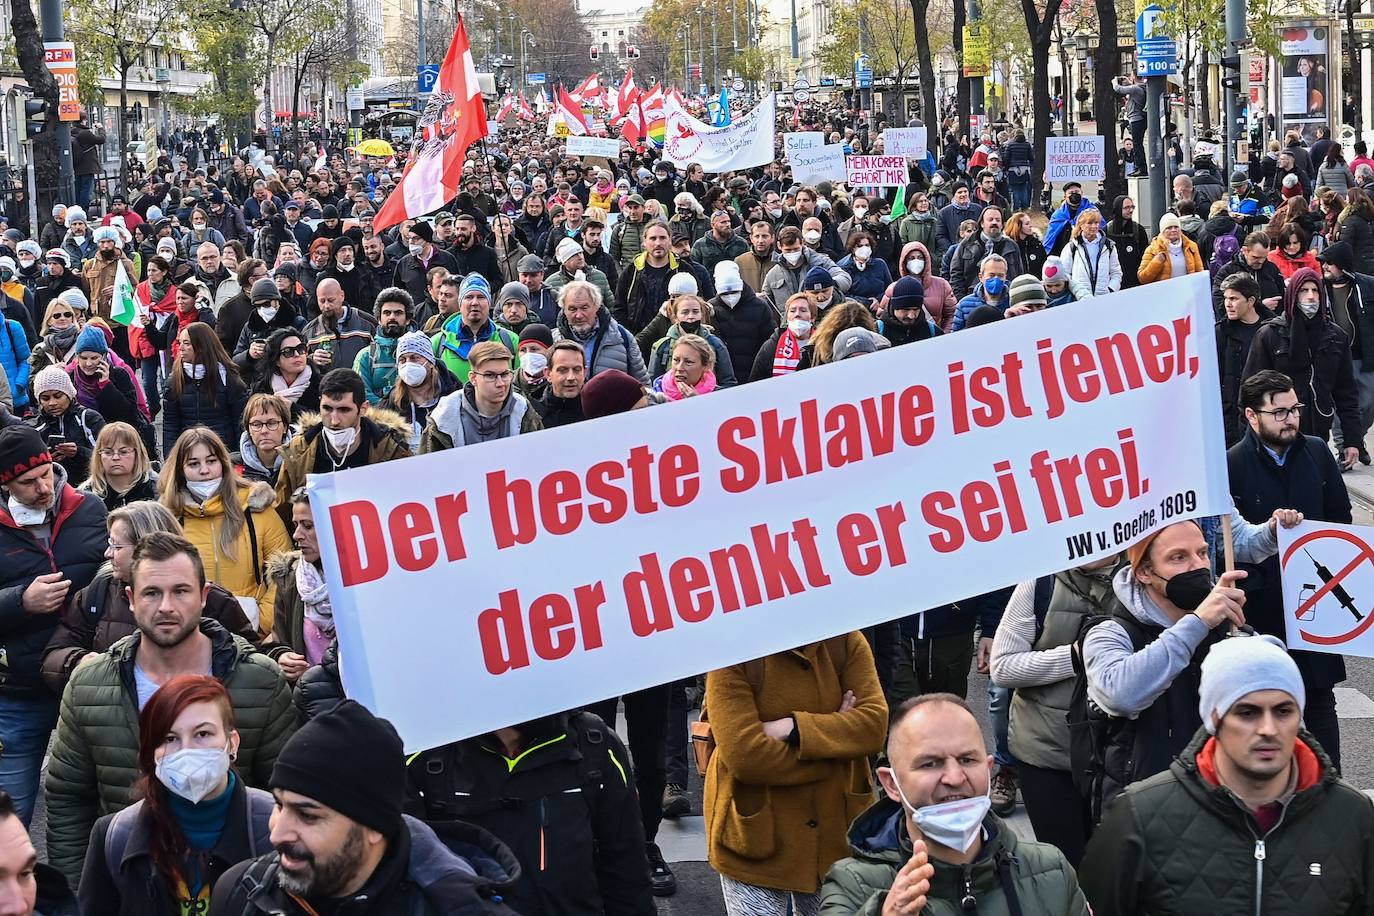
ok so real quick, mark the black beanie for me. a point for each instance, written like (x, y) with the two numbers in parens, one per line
(537, 332)
(338, 244)
(21, 450)
(423, 229)
(349, 760)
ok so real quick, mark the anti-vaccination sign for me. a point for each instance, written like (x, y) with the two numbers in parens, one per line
(493, 584)
(1328, 587)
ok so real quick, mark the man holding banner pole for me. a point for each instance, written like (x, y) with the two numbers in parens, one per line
(1275, 466)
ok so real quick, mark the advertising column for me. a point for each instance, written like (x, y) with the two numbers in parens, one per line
(1306, 87)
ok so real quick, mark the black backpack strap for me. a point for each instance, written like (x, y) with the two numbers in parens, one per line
(1044, 591)
(253, 544)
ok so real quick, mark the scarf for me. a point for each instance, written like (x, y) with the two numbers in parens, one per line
(293, 391)
(88, 387)
(668, 385)
(788, 354)
(315, 597)
(60, 342)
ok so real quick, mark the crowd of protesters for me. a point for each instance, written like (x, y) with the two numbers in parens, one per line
(170, 660)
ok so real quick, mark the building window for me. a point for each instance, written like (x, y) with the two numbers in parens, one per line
(605, 47)
(622, 49)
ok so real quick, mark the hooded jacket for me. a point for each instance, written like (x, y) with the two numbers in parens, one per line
(99, 616)
(1180, 842)
(443, 869)
(968, 260)
(1130, 239)
(245, 572)
(76, 547)
(744, 326)
(1270, 280)
(94, 759)
(939, 296)
(1315, 354)
(385, 432)
(1036, 875)
(455, 421)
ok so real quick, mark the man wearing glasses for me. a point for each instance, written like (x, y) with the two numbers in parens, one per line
(1275, 466)
(485, 409)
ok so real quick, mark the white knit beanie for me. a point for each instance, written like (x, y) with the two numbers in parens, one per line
(1239, 665)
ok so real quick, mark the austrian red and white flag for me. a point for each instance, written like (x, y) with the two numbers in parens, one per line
(626, 95)
(590, 89)
(632, 127)
(676, 96)
(524, 113)
(453, 120)
(567, 108)
(507, 106)
(651, 104)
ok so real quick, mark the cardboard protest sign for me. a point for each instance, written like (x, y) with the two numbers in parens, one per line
(875, 171)
(1328, 587)
(594, 146)
(818, 163)
(1075, 158)
(496, 583)
(905, 141)
(800, 140)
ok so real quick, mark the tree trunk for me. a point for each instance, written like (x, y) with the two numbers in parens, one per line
(28, 46)
(1041, 32)
(1204, 89)
(926, 68)
(1356, 87)
(1105, 68)
(296, 107)
(963, 103)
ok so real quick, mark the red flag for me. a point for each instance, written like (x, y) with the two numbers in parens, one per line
(454, 119)
(591, 86)
(507, 105)
(571, 112)
(524, 113)
(627, 95)
(632, 126)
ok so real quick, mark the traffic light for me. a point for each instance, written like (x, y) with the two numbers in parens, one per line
(1231, 72)
(632, 52)
(596, 53)
(35, 116)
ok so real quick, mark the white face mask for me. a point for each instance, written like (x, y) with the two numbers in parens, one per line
(533, 364)
(775, 213)
(416, 249)
(198, 226)
(26, 263)
(885, 219)
(267, 312)
(799, 327)
(340, 440)
(345, 267)
(1309, 309)
(194, 772)
(793, 257)
(914, 266)
(863, 252)
(203, 489)
(812, 236)
(730, 298)
(412, 373)
(860, 212)
(26, 515)
(194, 370)
(954, 824)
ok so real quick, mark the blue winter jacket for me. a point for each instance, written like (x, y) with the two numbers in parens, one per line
(14, 359)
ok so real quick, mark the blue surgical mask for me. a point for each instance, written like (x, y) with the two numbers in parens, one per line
(995, 286)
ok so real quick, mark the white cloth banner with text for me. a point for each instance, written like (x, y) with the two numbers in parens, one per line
(747, 141)
(492, 584)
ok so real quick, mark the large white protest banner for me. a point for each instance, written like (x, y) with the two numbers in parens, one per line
(593, 146)
(1075, 158)
(495, 583)
(876, 171)
(818, 163)
(746, 141)
(797, 141)
(1328, 587)
(905, 141)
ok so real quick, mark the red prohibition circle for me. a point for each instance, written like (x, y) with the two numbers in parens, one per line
(1366, 555)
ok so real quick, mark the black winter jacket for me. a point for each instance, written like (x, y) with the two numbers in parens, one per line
(566, 807)
(744, 327)
(1177, 843)
(1325, 381)
(320, 689)
(451, 869)
(1358, 230)
(1233, 349)
(1267, 276)
(1309, 481)
(221, 411)
(77, 549)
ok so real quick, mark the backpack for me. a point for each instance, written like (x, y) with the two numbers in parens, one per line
(1224, 250)
(704, 742)
(1091, 727)
(259, 805)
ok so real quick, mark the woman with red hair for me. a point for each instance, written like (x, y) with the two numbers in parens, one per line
(195, 817)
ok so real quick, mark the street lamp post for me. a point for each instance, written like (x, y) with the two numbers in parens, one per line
(526, 38)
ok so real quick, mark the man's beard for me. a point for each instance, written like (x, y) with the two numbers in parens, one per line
(326, 879)
(169, 641)
(391, 329)
(1281, 438)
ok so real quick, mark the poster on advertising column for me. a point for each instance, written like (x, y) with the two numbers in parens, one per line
(492, 584)
(1304, 78)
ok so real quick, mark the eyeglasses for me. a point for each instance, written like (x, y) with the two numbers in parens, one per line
(495, 377)
(258, 426)
(293, 351)
(114, 546)
(1280, 414)
(116, 453)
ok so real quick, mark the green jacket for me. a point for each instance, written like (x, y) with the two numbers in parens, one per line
(1039, 875)
(94, 757)
(377, 366)
(558, 279)
(1177, 844)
